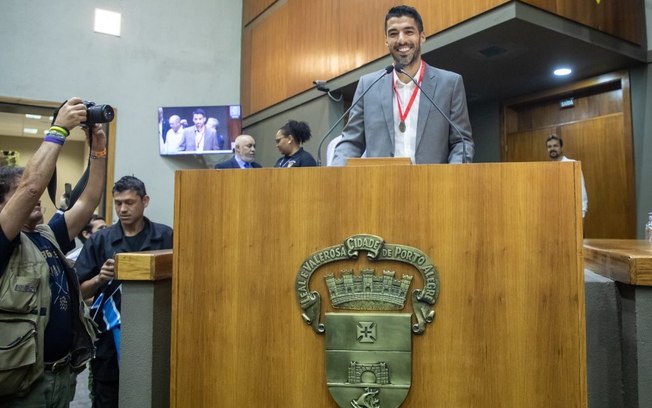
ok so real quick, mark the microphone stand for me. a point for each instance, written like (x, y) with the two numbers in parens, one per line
(388, 70)
(450, 122)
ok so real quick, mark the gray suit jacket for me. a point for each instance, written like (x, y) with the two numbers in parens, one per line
(189, 143)
(371, 121)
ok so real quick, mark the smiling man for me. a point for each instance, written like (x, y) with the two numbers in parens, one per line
(95, 268)
(555, 145)
(393, 119)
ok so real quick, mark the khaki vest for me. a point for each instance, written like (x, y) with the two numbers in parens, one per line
(24, 314)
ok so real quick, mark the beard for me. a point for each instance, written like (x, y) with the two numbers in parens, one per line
(407, 60)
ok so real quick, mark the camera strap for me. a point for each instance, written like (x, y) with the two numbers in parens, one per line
(81, 184)
(76, 192)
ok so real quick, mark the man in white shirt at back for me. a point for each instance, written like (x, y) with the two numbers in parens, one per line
(173, 136)
(555, 144)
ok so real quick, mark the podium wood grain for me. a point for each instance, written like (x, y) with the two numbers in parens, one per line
(144, 266)
(506, 239)
(623, 260)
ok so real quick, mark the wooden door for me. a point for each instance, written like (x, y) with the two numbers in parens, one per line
(596, 132)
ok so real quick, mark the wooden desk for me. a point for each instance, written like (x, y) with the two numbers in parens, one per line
(623, 260)
(629, 262)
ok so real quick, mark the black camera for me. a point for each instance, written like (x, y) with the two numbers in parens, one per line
(97, 114)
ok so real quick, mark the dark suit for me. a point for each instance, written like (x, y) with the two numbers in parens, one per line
(233, 164)
(189, 141)
(371, 124)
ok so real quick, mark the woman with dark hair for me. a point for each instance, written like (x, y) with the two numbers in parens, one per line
(289, 139)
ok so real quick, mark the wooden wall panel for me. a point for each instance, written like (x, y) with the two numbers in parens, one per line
(509, 329)
(605, 163)
(604, 159)
(246, 72)
(528, 145)
(270, 46)
(620, 18)
(597, 132)
(440, 15)
(312, 52)
(548, 113)
(252, 8)
(361, 36)
(322, 39)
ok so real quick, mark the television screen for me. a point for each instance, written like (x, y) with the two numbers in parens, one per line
(198, 129)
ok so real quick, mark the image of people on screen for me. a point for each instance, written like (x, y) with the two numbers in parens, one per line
(198, 138)
(173, 136)
(198, 129)
(214, 124)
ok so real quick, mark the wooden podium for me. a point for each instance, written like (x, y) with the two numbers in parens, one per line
(506, 240)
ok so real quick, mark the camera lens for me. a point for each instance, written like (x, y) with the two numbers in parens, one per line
(100, 114)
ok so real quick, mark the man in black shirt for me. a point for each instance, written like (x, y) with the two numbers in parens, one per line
(95, 268)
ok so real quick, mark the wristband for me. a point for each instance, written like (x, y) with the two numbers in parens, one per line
(54, 137)
(99, 154)
(65, 132)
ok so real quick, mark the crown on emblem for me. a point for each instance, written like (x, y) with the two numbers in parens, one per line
(368, 291)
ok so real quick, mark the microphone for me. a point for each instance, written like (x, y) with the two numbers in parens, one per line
(388, 70)
(399, 69)
(321, 85)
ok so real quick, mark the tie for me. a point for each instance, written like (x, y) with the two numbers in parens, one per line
(247, 166)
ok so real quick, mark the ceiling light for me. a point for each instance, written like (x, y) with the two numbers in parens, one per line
(562, 71)
(107, 22)
(30, 116)
(30, 131)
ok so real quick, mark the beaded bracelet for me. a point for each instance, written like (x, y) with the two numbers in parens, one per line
(99, 154)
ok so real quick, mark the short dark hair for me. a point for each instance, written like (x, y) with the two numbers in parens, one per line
(89, 227)
(199, 111)
(300, 130)
(555, 137)
(9, 177)
(130, 183)
(405, 11)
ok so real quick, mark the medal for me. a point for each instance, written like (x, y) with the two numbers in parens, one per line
(401, 114)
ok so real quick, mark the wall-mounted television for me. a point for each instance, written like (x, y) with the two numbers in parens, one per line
(198, 129)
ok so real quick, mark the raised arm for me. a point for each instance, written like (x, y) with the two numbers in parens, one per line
(80, 213)
(39, 169)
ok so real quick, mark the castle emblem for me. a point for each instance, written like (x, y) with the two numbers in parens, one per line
(369, 346)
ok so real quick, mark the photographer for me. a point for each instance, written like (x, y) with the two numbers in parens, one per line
(45, 336)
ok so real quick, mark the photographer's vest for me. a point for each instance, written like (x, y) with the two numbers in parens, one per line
(24, 313)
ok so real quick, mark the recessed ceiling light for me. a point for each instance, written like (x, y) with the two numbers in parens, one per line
(107, 22)
(30, 116)
(562, 71)
(30, 131)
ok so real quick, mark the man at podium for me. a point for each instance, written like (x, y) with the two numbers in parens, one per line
(417, 111)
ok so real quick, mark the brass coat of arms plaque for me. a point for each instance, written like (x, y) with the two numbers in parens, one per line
(369, 351)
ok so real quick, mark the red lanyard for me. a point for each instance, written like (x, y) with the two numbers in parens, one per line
(403, 115)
